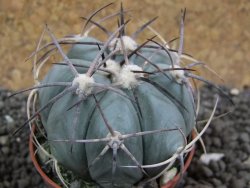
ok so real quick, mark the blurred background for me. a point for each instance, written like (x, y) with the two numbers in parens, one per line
(216, 32)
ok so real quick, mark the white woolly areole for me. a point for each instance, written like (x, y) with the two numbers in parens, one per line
(179, 75)
(129, 44)
(113, 66)
(84, 84)
(132, 67)
(127, 78)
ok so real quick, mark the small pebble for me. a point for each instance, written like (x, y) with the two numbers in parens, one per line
(244, 174)
(216, 182)
(238, 183)
(207, 171)
(22, 183)
(217, 142)
(222, 165)
(206, 158)
(6, 183)
(222, 186)
(214, 165)
(244, 137)
(3, 130)
(5, 150)
(18, 139)
(234, 91)
(246, 148)
(4, 140)
(9, 119)
(1, 107)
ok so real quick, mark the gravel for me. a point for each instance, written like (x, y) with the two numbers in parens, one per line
(16, 168)
(229, 135)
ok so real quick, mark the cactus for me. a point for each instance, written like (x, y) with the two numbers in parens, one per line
(115, 112)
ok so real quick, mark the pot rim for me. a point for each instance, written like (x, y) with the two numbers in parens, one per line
(174, 181)
(44, 176)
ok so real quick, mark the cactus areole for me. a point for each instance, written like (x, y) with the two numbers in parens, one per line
(124, 107)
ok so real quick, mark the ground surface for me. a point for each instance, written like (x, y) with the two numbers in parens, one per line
(228, 135)
(217, 32)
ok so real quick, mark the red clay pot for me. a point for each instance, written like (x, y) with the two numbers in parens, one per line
(46, 179)
(52, 184)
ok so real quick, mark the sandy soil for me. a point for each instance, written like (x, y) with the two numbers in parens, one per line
(216, 32)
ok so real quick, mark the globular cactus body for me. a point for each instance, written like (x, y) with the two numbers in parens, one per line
(156, 102)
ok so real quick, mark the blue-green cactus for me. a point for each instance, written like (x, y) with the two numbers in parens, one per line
(148, 103)
(116, 107)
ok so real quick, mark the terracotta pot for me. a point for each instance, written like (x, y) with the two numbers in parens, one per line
(51, 184)
(46, 179)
